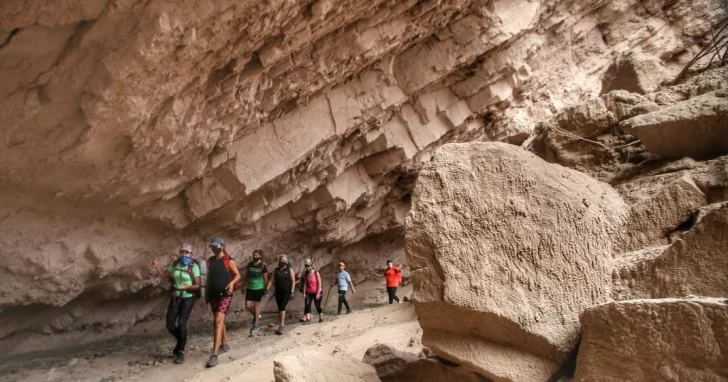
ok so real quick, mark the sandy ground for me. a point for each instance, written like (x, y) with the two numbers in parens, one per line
(148, 357)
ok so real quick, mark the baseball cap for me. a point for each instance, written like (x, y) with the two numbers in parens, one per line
(186, 247)
(308, 262)
(342, 263)
(217, 241)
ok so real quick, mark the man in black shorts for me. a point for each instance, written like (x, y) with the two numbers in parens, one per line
(285, 282)
(256, 278)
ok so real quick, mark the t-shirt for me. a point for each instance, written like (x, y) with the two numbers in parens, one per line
(255, 275)
(342, 280)
(181, 277)
(311, 282)
(393, 276)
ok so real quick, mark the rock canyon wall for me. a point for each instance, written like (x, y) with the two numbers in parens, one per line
(294, 126)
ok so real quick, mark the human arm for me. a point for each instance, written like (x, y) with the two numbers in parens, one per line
(195, 280)
(351, 284)
(266, 277)
(293, 282)
(236, 276)
(269, 281)
(320, 287)
(158, 268)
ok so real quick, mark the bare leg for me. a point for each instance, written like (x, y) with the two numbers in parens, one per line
(219, 329)
(250, 307)
(224, 334)
(256, 311)
(282, 318)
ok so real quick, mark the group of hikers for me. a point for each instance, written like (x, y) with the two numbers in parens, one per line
(217, 278)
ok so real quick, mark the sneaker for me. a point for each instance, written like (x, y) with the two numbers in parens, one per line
(338, 313)
(212, 362)
(255, 329)
(176, 350)
(348, 311)
(321, 320)
(223, 349)
(281, 330)
(180, 358)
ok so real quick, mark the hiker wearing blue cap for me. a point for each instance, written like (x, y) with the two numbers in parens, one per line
(184, 274)
(221, 283)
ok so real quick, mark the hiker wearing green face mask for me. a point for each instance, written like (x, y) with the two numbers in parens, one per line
(185, 276)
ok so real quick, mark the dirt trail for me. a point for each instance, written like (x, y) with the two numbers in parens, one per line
(250, 359)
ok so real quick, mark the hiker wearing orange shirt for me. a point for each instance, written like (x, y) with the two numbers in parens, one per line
(394, 278)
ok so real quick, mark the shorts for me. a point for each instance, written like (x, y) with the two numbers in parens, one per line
(254, 295)
(220, 305)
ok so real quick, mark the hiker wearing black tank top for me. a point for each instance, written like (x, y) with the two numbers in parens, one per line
(285, 282)
(222, 280)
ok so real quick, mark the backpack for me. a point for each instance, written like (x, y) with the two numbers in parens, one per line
(226, 262)
(203, 276)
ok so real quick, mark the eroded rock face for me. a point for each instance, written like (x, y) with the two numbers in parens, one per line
(487, 239)
(647, 340)
(290, 125)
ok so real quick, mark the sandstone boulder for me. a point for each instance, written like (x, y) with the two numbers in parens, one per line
(695, 128)
(494, 237)
(315, 366)
(635, 72)
(652, 219)
(655, 340)
(695, 264)
(388, 360)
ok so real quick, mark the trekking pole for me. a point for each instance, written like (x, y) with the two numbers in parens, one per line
(328, 294)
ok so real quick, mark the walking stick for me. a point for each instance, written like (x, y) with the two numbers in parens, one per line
(327, 296)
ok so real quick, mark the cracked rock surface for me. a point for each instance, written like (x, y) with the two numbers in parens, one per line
(128, 127)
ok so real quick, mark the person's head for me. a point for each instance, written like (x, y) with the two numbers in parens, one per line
(308, 264)
(185, 254)
(282, 259)
(389, 263)
(257, 255)
(341, 265)
(217, 245)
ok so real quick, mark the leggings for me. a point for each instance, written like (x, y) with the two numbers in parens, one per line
(342, 300)
(392, 292)
(311, 297)
(178, 312)
(282, 298)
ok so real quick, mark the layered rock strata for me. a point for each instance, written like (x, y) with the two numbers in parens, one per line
(291, 125)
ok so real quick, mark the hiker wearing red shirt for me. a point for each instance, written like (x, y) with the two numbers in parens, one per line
(394, 278)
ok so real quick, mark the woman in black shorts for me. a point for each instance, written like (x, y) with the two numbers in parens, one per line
(285, 281)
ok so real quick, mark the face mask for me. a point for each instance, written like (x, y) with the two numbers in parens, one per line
(282, 263)
(216, 250)
(256, 258)
(185, 260)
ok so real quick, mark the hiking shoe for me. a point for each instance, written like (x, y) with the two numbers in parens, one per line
(255, 329)
(212, 362)
(223, 349)
(176, 350)
(321, 320)
(180, 358)
(281, 330)
(348, 311)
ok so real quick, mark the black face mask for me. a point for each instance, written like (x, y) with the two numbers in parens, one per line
(282, 264)
(216, 250)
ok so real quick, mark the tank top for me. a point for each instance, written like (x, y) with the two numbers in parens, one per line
(255, 275)
(218, 277)
(311, 282)
(283, 277)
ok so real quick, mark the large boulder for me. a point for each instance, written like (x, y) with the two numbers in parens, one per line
(313, 366)
(635, 72)
(694, 264)
(387, 360)
(655, 340)
(506, 251)
(398, 366)
(695, 128)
